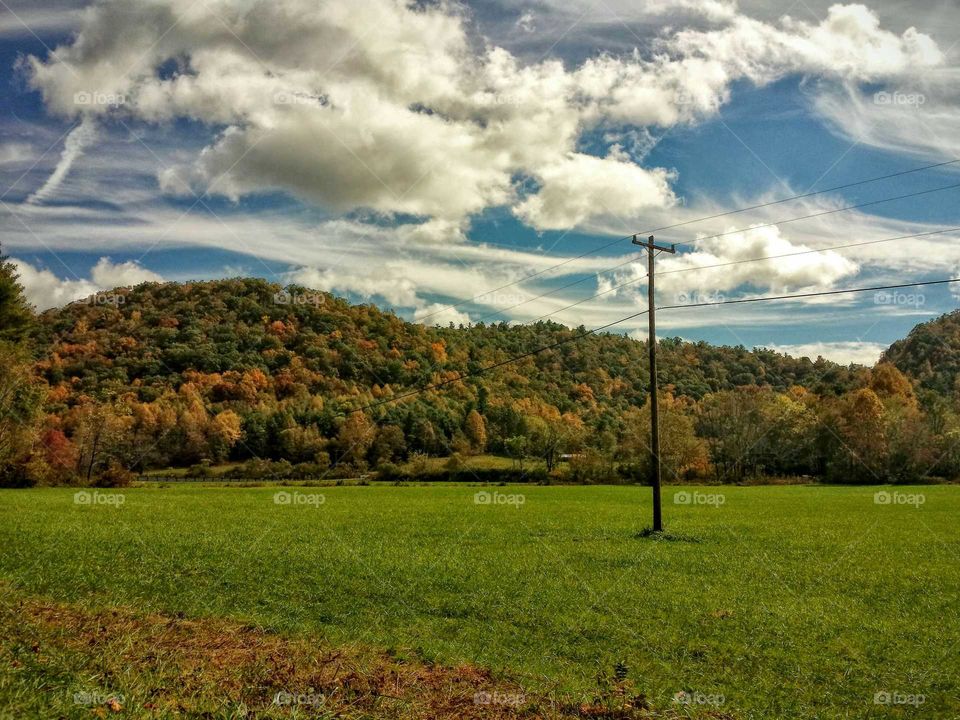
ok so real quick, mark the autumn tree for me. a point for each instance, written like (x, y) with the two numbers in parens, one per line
(223, 432)
(859, 454)
(682, 453)
(54, 459)
(354, 439)
(734, 424)
(389, 445)
(20, 403)
(101, 431)
(475, 428)
(909, 446)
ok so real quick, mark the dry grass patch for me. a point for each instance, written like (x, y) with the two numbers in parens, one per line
(125, 663)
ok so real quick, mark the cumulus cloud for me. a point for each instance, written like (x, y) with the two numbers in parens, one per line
(379, 282)
(440, 314)
(789, 265)
(382, 283)
(849, 43)
(578, 186)
(419, 118)
(45, 290)
(717, 266)
(107, 274)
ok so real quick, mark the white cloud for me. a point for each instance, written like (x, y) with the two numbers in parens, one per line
(378, 282)
(861, 353)
(920, 115)
(440, 314)
(14, 152)
(719, 265)
(108, 275)
(31, 21)
(849, 43)
(416, 117)
(578, 187)
(526, 22)
(45, 290)
(77, 141)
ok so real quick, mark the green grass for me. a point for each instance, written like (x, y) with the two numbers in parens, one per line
(791, 602)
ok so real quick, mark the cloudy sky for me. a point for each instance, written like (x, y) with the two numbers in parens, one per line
(492, 155)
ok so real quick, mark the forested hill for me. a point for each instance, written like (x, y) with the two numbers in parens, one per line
(242, 371)
(156, 337)
(930, 354)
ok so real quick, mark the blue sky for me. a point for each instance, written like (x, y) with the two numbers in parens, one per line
(424, 156)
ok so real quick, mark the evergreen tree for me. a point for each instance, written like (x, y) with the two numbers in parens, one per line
(16, 315)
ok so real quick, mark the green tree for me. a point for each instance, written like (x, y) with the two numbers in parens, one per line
(517, 448)
(551, 434)
(16, 314)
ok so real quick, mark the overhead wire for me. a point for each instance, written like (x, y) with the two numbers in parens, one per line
(736, 211)
(581, 335)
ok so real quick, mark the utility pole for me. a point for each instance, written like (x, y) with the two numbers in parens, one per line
(652, 250)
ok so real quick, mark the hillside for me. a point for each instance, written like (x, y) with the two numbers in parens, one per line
(157, 336)
(930, 354)
(294, 383)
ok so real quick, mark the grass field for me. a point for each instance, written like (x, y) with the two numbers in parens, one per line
(771, 602)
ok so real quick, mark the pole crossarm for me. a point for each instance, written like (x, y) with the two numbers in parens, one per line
(651, 245)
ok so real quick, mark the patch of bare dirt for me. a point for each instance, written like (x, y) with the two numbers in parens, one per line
(218, 668)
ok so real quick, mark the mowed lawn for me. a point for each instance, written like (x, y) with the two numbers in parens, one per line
(789, 602)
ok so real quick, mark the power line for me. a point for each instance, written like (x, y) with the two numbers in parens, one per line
(488, 368)
(875, 288)
(825, 212)
(633, 258)
(579, 336)
(740, 262)
(703, 219)
(690, 269)
(525, 278)
(709, 267)
(800, 197)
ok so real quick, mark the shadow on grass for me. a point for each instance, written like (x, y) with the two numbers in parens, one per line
(666, 536)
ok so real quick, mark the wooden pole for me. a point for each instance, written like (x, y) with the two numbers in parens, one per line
(654, 397)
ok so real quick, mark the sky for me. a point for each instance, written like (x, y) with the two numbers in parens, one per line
(488, 161)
